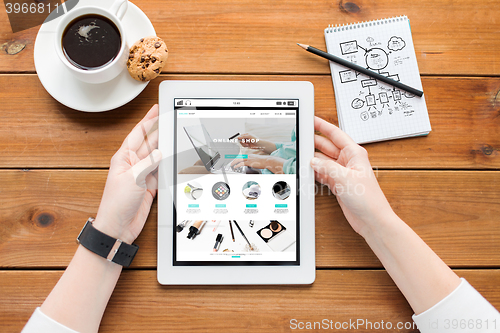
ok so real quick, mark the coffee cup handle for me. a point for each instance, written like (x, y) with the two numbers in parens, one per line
(119, 8)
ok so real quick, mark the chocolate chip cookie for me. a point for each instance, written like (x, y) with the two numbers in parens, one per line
(147, 58)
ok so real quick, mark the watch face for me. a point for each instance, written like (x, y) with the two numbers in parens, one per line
(220, 191)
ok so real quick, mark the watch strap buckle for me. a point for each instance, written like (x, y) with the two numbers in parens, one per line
(110, 248)
(114, 250)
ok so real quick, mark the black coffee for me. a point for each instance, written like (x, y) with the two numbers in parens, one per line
(91, 41)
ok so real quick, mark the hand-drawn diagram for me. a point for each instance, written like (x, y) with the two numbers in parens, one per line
(374, 99)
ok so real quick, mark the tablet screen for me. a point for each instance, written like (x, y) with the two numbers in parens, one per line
(235, 182)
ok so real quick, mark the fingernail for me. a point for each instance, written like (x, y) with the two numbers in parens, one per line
(315, 161)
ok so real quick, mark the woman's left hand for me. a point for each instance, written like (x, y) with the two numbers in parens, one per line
(131, 185)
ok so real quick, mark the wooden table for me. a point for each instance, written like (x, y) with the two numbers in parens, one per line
(54, 160)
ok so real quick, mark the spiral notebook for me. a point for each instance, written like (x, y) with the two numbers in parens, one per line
(369, 110)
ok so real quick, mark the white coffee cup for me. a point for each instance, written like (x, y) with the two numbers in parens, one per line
(102, 74)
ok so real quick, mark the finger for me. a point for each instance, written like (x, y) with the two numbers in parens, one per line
(335, 134)
(152, 184)
(328, 167)
(326, 146)
(155, 174)
(244, 136)
(234, 162)
(136, 137)
(150, 143)
(145, 166)
(322, 179)
(322, 156)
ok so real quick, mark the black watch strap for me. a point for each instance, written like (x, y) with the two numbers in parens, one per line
(106, 246)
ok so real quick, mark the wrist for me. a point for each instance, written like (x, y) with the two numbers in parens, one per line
(106, 246)
(111, 227)
(275, 164)
(269, 147)
(93, 259)
(377, 225)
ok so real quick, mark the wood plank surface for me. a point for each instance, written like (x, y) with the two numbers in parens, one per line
(235, 36)
(53, 164)
(456, 212)
(38, 132)
(140, 304)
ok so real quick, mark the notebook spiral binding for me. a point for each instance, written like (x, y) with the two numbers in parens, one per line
(363, 24)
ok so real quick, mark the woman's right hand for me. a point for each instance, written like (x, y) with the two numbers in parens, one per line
(423, 278)
(248, 140)
(343, 165)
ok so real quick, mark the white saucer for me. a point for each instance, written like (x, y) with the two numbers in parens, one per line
(76, 94)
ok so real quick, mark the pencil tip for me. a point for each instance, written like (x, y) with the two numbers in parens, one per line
(303, 46)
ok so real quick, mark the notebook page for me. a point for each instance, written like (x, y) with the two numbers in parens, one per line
(370, 110)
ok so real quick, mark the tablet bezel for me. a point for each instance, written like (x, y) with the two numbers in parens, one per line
(305, 272)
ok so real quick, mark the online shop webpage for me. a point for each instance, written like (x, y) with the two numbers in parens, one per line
(236, 200)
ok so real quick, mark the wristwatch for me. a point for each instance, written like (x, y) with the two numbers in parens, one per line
(112, 249)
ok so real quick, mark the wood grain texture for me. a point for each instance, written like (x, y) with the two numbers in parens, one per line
(456, 212)
(140, 304)
(38, 132)
(235, 36)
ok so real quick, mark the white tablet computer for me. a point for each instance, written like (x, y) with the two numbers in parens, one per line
(236, 190)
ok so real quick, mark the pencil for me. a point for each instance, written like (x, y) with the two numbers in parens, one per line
(360, 69)
(231, 227)
(234, 136)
